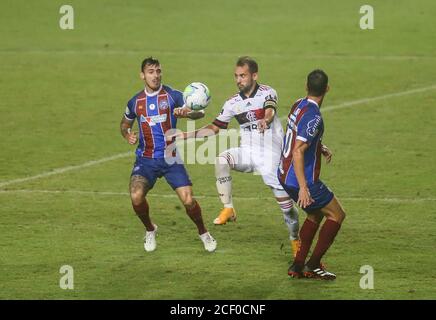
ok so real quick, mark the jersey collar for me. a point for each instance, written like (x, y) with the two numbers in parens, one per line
(312, 101)
(242, 95)
(154, 93)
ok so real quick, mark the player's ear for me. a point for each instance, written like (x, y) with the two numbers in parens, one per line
(307, 88)
(327, 89)
(255, 76)
(142, 75)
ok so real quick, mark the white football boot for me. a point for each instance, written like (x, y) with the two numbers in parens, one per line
(208, 241)
(150, 239)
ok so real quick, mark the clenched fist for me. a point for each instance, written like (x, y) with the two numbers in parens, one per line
(131, 137)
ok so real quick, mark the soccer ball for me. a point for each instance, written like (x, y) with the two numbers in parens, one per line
(196, 96)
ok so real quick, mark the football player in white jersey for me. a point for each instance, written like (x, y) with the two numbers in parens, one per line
(254, 107)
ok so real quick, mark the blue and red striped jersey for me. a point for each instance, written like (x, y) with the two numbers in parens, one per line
(154, 114)
(304, 123)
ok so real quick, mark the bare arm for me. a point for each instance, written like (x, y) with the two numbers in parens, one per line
(125, 128)
(206, 131)
(304, 198)
(264, 123)
(326, 153)
(185, 112)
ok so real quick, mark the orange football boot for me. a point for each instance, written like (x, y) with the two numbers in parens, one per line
(226, 214)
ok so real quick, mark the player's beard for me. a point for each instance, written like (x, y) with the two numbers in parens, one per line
(247, 88)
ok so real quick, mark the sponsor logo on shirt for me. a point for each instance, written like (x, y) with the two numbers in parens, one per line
(153, 120)
(313, 126)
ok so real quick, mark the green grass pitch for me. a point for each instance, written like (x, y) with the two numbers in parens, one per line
(63, 93)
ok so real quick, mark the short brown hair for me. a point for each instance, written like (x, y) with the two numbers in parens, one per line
(150, 61)
(250, 62)
(317, 82)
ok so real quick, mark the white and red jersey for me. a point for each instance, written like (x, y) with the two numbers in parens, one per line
(248, 111)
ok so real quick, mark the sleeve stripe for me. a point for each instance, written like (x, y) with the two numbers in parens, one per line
(125, 116)
(220, 124)
(301, 138)
(269, 106)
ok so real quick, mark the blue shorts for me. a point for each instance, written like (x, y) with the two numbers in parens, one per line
(151, 169)
(318, 191)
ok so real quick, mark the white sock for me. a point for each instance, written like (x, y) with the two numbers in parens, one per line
(224, 181)
(290, 214)
(205, 235)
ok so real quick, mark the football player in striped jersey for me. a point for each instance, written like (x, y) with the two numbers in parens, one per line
(299, 173)
(156, 109)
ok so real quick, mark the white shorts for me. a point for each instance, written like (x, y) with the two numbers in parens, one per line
(260, 161)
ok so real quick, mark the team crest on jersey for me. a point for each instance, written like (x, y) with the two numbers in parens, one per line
(313, 126)
(251, 116)
(163, 104)
(152, 106)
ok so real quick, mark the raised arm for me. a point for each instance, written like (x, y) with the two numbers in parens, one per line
(206, 131)
(185, 112)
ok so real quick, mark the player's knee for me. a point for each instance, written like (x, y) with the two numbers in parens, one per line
(188, 201)
(342, 216)
(138, 189)
(223, 161)
(338, 216)
(137, 195)
(137, 198)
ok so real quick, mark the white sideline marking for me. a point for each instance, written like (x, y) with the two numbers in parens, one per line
(66, 169)
(126, 154)
(366, 100)
(386, 96)
(125, 194)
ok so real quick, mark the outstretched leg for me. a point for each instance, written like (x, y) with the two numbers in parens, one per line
(224, 179)
(223, 164)
(290, 215)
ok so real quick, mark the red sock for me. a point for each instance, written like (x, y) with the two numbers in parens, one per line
(142, 213)
(327, 235)
(307, 233)
(195, 214)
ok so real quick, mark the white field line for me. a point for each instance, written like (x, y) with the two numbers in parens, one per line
(290, 55)
(366, 100)
(126, 194)
(126, 154)
(66, 169)
(386, 96)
